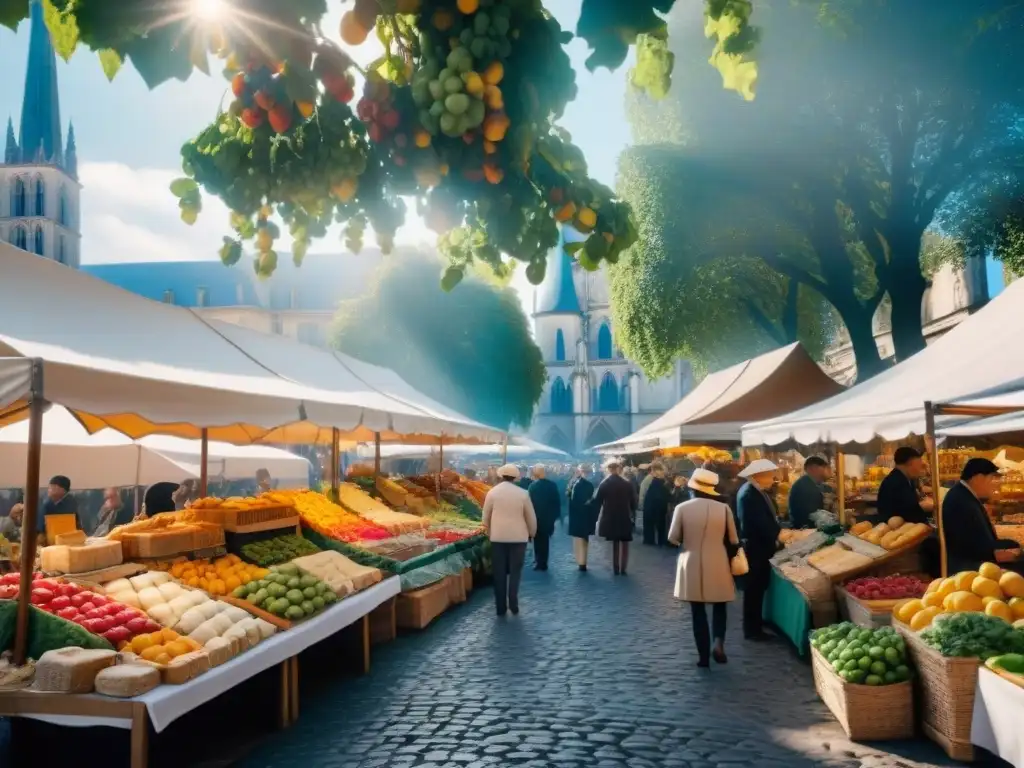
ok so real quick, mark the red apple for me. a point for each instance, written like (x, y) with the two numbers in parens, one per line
(137, 625)
(117, 635)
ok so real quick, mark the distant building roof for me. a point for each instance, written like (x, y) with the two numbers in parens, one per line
(557, 294)
(318, 285)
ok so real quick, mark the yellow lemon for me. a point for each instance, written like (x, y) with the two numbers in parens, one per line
(990, 571)
(1000, 610)
(933, 600)
(1012, 584)
(924, 618)
(964, 579)
(1017, 606)
(984, 587)
(906, 610)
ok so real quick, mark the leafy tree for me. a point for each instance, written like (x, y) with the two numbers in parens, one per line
(470, 349)
(868, 125)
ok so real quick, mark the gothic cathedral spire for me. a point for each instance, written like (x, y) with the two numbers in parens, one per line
(71, 154)
(11, 154)
(40, 110)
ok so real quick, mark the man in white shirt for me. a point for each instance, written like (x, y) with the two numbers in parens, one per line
(510, 522)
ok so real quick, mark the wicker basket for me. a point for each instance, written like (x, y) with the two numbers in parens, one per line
(866, 712)
(946, 692)
(871, 614)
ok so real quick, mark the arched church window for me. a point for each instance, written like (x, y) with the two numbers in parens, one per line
(62, 255)
(38, 241)
(604, 342)
(561, 397)
(18, 198)
(608, 394)
(62, 209)
(19, 238)
(559, 345)
(40, 196)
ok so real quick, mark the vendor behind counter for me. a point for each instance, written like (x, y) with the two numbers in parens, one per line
(970, 537)
(898, 495)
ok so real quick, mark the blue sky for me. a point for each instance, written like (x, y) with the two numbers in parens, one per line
(129, 139)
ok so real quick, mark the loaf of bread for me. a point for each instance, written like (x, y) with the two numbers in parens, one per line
(71, 670)
(127, 680)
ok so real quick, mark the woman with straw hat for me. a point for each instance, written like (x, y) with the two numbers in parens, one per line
(705, 529)
(759, 525)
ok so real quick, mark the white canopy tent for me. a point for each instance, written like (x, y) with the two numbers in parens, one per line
(983, 354)
(144, 367)
(108, 458)
(716, 409)
(521, 448)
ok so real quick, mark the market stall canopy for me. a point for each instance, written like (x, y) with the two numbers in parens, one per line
(415, 418)
(108, 458)
(714, 412)
(983, 354)
(142, 367)
(519, 448)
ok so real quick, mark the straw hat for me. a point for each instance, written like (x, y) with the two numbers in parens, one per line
(757, 467)
(509, 470)
(703, 480)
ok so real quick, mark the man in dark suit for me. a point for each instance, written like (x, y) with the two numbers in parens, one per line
(759, 529)
(547, 503)
(897, 495)
(807, 495)
(970, 538)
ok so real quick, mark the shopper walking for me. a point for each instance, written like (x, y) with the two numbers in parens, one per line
(582, 516)
(759, 527)
(510, 522)
(704, 527)
(547, 505)
(616, 500)
(655, 504)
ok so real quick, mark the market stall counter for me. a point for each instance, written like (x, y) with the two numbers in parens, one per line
(995, 726)
(788, 611)
(166, 703)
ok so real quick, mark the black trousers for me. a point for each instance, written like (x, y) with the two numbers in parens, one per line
(541, 549)
(507, 561)
(698, 612)
(754, 589)
(656, 528)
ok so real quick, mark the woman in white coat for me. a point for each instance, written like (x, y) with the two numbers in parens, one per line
(705, 529)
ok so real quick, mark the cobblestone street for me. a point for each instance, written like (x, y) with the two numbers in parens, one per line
(596, 671)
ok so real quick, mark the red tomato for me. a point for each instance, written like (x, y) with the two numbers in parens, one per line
(11, 578)
(137, 625)
(112, 609)
(93, 625)
(67, 590)
(117, 635)
(41, 596)
(60, 602)
(106, 623)
(68, 613)
(152, 626)
(124, 616)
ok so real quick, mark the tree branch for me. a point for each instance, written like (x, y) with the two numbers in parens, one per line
(790, 312)
(793, 272)
(762, 320)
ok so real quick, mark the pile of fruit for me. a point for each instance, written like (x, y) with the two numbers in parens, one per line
(863, 656)
(279, 549)
(160, 646)
(218, 577)
(239, 503)
(163, 600)
(893, 587)
(328, 519)
(989, 590)
(288, 593)
(894, 534)
(973, 635)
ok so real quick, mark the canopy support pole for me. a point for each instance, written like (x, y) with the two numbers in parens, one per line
(504, 449)
(376, 453)
(204, 458)
(933, 465)
(335, 461)
(841, 487)
(29, 521)
(440, 466)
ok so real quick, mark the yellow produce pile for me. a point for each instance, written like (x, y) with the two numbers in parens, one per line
(161, 647)
(219, 577)
(153, 524)
(894, 534)
(989, 590)
(241, 503)
(355, 500)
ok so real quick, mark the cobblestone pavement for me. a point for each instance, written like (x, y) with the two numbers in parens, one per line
(597, 671)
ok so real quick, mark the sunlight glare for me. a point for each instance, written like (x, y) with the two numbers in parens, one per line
(209, 10)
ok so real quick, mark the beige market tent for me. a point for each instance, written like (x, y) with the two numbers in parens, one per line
(716, 409)
(108, 458)
(980, 362)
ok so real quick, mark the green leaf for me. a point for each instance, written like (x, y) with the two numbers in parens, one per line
(452, 277)
(63, 29)
(12, 12)
(183, 186)
(111, 62)
(163, 54)
(572, 248)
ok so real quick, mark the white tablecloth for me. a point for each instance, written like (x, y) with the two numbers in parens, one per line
(998, 722)
(167, 703)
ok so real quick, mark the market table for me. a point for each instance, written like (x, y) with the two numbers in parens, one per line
(166, 703)
(996, 725)
(786, 608)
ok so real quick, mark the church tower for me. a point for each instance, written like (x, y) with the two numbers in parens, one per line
(39, 189)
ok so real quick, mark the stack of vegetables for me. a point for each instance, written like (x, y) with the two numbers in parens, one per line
(288, 593)
(368, 508)
(863, 656)
(277, 550)
(973, 635)
(989, 590)
(330, 520)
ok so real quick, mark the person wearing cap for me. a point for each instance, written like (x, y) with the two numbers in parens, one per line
(705, 529)
(807, 494)
(655, 504)
(970, 538)
(10, 526)
(547, 505)
(510, 522)
(616, 501)
(582, 516)
(759, 528)
(59, 501)
(898, 495)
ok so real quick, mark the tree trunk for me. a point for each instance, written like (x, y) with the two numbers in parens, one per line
(906, 287)
(858, 322)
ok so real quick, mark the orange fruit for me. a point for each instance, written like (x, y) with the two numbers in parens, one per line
(352, 30)
(468, 6)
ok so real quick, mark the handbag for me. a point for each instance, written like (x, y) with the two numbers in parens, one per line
(739, 565)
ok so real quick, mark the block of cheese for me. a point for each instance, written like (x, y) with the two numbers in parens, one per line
(72, 539)
(219, 650)
(183, 668)
(127, 680)
(73, 559)
(71, 670)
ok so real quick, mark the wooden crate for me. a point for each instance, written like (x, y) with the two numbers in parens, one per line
(417, 608)
(467, 579)
(946, 689)
(235, 519)
(871, 614)
(865, 712)
(456, 589)
(383, 622)
(157, 544)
